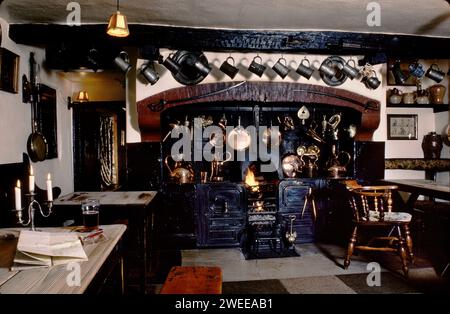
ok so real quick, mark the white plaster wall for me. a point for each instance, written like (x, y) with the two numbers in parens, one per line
(99, 91)
(15, 120)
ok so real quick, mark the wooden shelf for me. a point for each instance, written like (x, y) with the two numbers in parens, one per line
(435, 107)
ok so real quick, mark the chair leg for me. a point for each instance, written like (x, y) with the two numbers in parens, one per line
(351, 247)
(402, 251)
(409, 244)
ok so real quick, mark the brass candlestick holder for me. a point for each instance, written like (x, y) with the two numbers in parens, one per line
(33, 204)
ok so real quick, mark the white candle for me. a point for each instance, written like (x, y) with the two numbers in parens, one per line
(18, 196)
(49, 188)
(31, 180)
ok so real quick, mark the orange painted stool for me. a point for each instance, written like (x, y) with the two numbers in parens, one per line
(193, 280)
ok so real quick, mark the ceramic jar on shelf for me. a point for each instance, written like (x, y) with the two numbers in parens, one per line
(437, 93)
(432, 145)
(395, 97)
(422, 97)
(409, 98)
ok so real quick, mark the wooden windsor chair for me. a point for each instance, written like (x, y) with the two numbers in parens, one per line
(373, 208)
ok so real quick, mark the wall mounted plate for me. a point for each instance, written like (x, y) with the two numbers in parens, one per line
(188, 75)
(337, 63)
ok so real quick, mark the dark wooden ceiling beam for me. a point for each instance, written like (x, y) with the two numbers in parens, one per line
(318, 42)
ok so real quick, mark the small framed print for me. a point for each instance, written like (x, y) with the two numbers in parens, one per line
(402, 126)
(9, 71)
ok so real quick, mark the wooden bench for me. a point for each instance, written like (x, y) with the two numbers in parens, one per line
(193, 280)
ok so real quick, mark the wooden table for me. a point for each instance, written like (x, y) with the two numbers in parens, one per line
(52, 280)
(134, 205)
(418, 187)
(429, 188)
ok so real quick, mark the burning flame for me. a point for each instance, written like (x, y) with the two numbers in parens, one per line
(259, 206)
(250, 181)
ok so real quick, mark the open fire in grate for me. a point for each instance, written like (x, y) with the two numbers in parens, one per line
(264, 230)
(261, 201)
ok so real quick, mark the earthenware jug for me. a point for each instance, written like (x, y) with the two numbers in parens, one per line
(396, 96)
(432, 145)
(409, 98)
(422, 97)
(437, 93)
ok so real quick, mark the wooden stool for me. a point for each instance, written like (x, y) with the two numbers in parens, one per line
(193, 280)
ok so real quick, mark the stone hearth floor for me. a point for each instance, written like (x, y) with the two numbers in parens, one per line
(318, 269)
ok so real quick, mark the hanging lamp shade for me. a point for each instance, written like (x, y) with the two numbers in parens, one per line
(118, 26)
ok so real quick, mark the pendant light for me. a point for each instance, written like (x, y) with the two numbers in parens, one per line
(118, 26)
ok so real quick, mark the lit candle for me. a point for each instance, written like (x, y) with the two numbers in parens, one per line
(49, 188)
(18, 196)
(31, 180)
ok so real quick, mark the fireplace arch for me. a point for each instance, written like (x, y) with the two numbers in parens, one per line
(149, 109)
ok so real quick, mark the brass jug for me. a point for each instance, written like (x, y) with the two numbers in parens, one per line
(182, 171)
(217, 167)
(310, 167)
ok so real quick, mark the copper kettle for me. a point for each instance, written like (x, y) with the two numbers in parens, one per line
(182, 171)
(291, 165)
(337, 165)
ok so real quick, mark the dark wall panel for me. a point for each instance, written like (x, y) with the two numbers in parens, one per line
(143, 166)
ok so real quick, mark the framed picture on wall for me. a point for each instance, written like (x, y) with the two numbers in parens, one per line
(402, 127)
(9, 71)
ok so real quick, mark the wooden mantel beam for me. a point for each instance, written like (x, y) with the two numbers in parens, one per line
(318, 42)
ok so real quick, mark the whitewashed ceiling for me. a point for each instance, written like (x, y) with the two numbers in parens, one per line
(420, 17)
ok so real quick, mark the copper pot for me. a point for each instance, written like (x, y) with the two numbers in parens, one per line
(291, 165)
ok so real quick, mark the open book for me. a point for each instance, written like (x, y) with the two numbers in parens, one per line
(43, 249)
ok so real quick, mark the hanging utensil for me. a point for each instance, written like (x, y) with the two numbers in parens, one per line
(223, 122)
(291, 235)
(303, 114)
(239, 138)
(173, 126)
(324, 126)
(309, 197)
(218, 139)
(271, 137)
(335, 120)
(313, 133)
(37, 146)
(301, 150)
(334, 123)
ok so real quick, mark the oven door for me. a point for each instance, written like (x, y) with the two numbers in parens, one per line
(221, 216)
